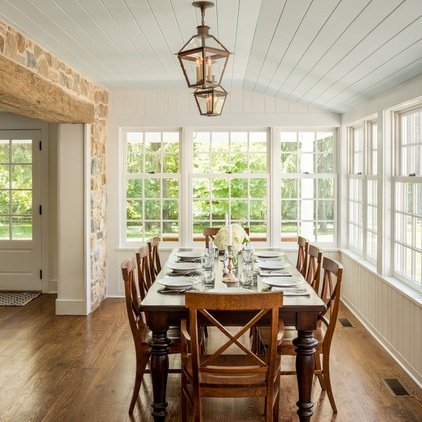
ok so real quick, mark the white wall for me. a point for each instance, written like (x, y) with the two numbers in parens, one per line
(71, 292)
(177, 108)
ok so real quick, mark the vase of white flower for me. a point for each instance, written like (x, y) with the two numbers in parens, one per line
(221, 239)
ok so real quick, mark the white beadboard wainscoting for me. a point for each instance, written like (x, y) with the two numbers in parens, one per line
(392, 317)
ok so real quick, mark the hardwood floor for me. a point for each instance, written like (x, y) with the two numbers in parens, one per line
(71, 368)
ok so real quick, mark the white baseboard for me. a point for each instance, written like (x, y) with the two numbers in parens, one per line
(71, 307)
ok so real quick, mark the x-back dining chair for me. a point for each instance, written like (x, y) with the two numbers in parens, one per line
(313, 273)
(140, 331)
(330, 294)
(155, 262)
(240, 372)
(302, 255)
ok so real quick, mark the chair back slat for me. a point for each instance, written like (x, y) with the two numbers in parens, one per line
(330, 294)
(302, 255)
(313, 274)
(144, 270)
(155, 261)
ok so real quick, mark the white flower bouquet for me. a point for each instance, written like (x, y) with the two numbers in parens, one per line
(239, 235)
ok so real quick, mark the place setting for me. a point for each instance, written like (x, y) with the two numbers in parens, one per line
(291, 286)
(180, 269)
(188, 256)
(177, 285)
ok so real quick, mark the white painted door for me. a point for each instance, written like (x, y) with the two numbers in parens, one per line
(20, 210)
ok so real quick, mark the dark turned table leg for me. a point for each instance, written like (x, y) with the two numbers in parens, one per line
(305, 364)
(159, 372)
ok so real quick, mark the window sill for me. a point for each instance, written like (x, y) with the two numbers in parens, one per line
(403, 288)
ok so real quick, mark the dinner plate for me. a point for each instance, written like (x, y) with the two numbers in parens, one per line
(184, 266)
(178, 282)
(268, 254)
(272, 265)
(281, 281)
(188, 255)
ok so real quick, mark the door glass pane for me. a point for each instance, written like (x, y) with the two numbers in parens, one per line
(16, 189)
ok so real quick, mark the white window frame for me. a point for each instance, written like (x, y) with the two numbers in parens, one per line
(401, 244)
(360, 176)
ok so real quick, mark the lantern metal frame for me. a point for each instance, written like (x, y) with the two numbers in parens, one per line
(210, 100)
(206, 52)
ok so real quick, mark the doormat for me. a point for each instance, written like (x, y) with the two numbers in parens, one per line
(17, 298)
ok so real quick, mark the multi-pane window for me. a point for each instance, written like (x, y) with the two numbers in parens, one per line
(230, 176)
(308, 185)
(408, 198)
(16, 189)
(151, 184)
(363, 186)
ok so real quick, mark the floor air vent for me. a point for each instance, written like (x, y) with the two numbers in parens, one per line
(396, 387)
(345, 322)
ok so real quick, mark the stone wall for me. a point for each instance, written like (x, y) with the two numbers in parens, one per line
(24, 51)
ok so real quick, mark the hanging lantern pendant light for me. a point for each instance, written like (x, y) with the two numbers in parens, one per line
(203, 58)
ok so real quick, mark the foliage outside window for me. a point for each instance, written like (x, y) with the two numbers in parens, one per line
(230, 176)
(408, 198)
(15, 189)
(363, 185)
(151, 184)
(308, 185)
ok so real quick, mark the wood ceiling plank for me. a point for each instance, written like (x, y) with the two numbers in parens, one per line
(324, 73)
(269, 22)
(29, 94)
(338, 22)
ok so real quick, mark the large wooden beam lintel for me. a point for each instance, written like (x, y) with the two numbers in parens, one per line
(26, 93)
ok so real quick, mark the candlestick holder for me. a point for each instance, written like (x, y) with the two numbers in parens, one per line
(230, 278)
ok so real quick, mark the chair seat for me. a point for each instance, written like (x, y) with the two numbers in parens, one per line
(218, 378)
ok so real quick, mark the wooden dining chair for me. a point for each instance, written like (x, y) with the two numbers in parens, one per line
(313, 272)
(302, 255)
(140, 332)
(330, 294)
(240, 372)
(155, 262)
(210, 233)
(143, 263)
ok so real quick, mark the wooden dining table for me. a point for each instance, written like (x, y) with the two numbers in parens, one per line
(165, 310)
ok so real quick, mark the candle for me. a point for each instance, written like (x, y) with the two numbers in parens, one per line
(209, 63)
(198, 70)
(209, 103)
(230, 233)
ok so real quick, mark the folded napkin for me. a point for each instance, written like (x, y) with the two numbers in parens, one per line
(275, 273)
(291, 292)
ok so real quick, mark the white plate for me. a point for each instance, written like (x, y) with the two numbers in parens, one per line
(229, 290)
(184, 266)
(281, 281)
(178, 282)
(272, 265)
(268, 254)
(188, 255)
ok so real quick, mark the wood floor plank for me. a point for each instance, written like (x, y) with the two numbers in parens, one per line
(77, 369)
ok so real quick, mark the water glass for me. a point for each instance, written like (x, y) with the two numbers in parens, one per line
(247, 274)
(247, 252)
(209, 277)
(207, 261)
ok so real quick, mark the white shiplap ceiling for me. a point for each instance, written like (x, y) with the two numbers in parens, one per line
(331, 54)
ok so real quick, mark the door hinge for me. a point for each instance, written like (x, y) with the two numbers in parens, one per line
(40, 274)
(40, 146)
(40, 209)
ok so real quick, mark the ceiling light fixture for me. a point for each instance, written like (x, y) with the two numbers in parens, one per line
(210, 101)
(203, 60)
